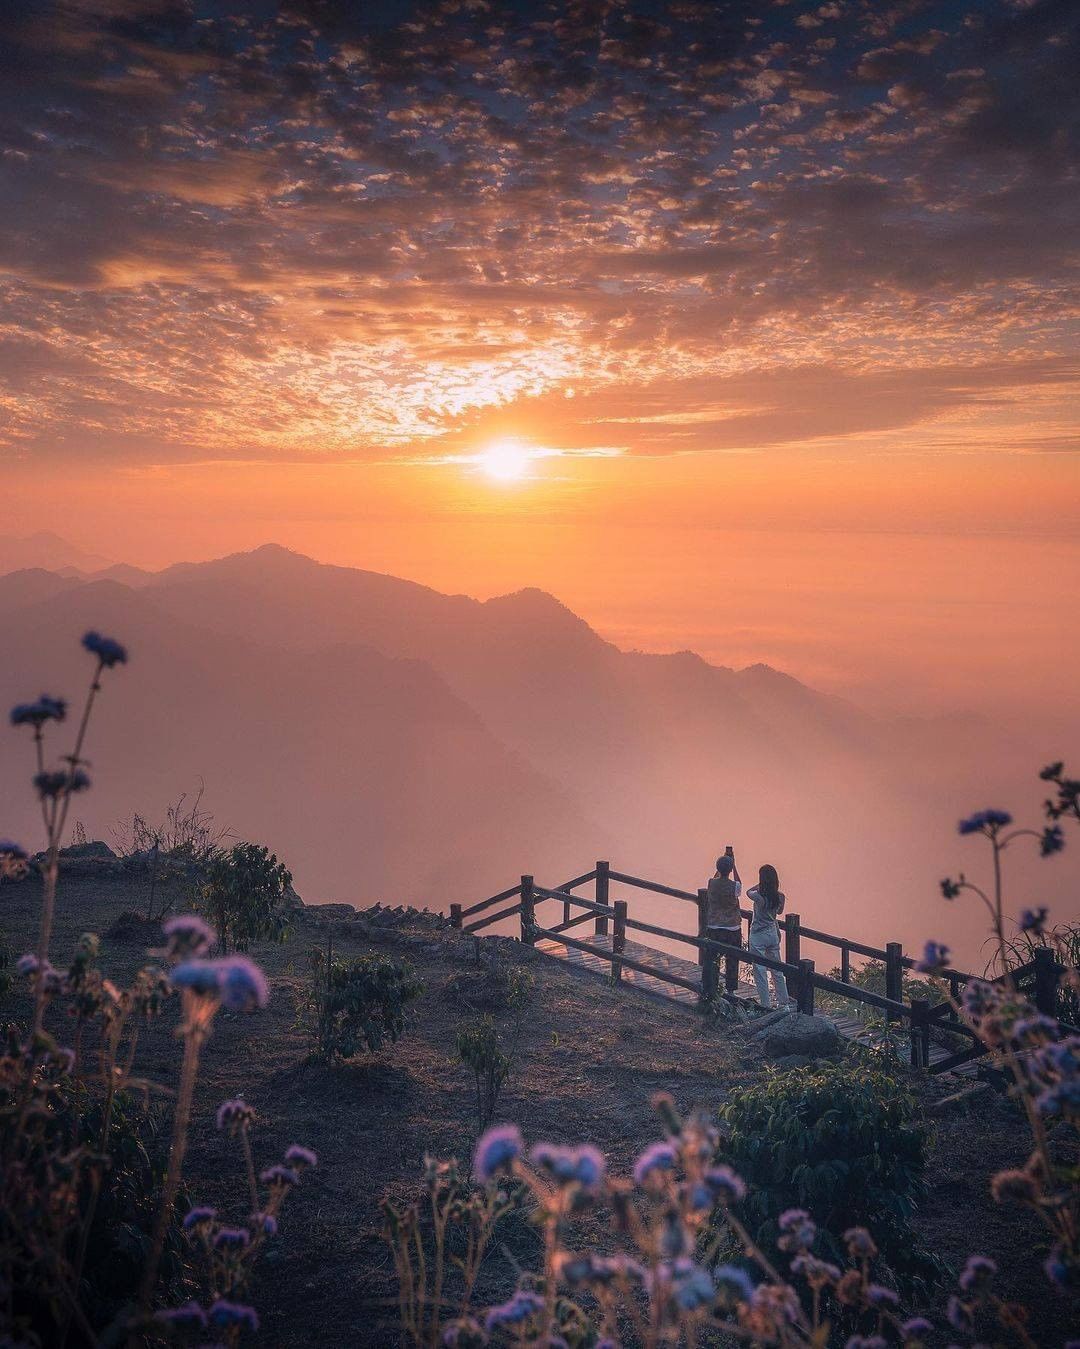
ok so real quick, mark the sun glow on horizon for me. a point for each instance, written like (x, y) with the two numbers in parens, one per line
(505, 460)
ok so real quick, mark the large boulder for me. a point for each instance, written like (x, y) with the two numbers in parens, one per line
(811, 1037)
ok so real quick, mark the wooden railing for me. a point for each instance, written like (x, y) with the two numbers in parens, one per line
(1039, 978)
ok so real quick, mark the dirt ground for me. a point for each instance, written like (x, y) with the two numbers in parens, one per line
(591, 1057)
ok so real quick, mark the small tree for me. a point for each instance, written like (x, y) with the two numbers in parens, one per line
(243, 890)
(358, 1004)
(480, 1049)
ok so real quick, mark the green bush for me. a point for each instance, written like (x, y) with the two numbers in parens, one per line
(359, 1004)
(243, 893)
(841, 1140)
(480, 1048)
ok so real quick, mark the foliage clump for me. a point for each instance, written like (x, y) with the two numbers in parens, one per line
(489, 1055)
(841, 1140)
(358, 1004)
(244, 891)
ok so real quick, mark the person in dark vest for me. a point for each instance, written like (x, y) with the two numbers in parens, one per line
(723, 919)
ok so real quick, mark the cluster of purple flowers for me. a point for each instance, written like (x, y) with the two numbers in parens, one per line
(985, 822)
(187, 936)
(235, 1115)
(36, 714)
(497, 1150)
(57, 782)
(584, 1166)
(935, 958)
(235, 981)
(108, 651)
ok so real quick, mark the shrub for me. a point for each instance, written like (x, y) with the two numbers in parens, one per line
(244, 892)
(358, 1004)
(844, 1143)
(481, 1049)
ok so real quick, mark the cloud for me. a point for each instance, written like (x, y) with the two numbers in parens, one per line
(337, 228)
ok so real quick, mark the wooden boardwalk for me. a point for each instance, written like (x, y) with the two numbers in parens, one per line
(850, 1027)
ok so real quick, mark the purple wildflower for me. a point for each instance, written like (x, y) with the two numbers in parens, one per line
(584, 1166)
(463, 1334)
(197, 976)
(1033, 920)
(196, 1217)
(985, 822)
(691, 1286)
(519, 1309)
(233, 1115)
(658, 1157)
(950, 888)
(1061, 1099)
(53, 784)
(37, 714)
(10, 849)
(917, 1328)
(977, 1273)
(935, 958)
(815, 1271)
(979, 998)
(733, 1284)
(27, 964)
(1017, 1186)
(860, 1244)
(725, 1185)
(189, 1316)
(298, 1156)
(232, 1238)
(1052, 840)
(797, 1230)
(279, 1175)
(108, 651)
(265, 1222)
(496, 1149)
(881, 1297)
(243, 984)
(188, 935)
(224, 1315)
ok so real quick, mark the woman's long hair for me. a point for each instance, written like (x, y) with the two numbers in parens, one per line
(769, 886)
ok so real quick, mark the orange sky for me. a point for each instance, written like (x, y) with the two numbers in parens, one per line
(778, 301)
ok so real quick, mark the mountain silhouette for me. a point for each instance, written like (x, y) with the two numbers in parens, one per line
(396, 743)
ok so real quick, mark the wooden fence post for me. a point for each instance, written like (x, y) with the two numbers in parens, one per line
(603, 878)
(920, 1033)
(527, 924)
(792, 953)
(618, 939)
(710, 978)
(1046, 981)
(806, 987)
(894, 974)
(845, 963)
(455, 915)
(704, 957)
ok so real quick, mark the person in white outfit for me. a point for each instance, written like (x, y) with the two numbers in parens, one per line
(768, 902)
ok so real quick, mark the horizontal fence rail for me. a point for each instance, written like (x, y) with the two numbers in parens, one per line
(1039, 976)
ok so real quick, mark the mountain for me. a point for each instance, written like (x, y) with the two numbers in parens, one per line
(396, 743)
(48, 551)
(365, 771)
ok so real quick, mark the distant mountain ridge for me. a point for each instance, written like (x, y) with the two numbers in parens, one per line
(397, 743)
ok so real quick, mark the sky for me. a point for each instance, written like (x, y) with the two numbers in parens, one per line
(750, 327)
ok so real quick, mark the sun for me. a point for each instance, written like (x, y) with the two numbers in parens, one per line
(505, 460)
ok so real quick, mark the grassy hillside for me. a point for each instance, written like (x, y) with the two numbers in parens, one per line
(591, 1058)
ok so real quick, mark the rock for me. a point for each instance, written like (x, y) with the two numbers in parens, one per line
(796, 1033)
(92, 849)
(793, 1061)
(293, 900)
(328, 913)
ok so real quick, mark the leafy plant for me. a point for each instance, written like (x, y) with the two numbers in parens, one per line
(480, 1048)
(845, 1145)
(358, 1004)
(244, 891)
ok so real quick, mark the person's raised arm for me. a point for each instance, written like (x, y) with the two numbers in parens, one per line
(735, 873)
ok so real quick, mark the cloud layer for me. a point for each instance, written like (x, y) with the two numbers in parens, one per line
(324, 229)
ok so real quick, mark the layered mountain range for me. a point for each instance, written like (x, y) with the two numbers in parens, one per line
(395, 743)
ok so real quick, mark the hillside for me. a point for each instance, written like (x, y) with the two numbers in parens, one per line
(591, 1058)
